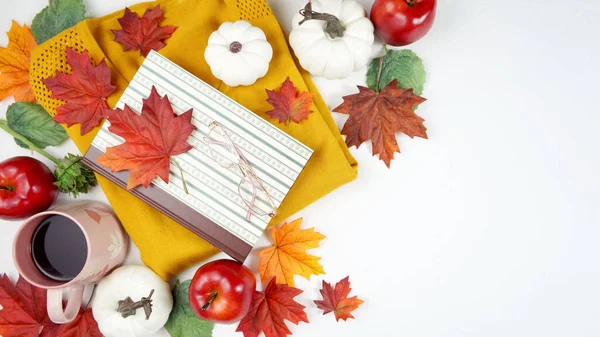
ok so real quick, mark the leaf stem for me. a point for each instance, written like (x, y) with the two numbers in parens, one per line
(4, 126)
(182, 177)
(379, 73)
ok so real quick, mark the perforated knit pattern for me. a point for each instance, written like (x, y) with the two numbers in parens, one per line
(253, 9)
(53, 59)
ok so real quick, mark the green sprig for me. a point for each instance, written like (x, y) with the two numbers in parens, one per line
(72, 176)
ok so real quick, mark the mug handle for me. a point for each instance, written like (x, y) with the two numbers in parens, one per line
(56, 312)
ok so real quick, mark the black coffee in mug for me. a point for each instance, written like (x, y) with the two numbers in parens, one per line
(59, 248)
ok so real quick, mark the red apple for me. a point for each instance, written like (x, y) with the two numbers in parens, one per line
(221, 291)
(26, 188)
(402, 22)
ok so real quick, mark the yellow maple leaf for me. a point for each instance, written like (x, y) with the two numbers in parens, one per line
(287, 257)
(14, 64)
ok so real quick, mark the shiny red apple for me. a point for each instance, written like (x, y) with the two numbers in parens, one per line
(402, 22)
(221, 291)
(26, 188)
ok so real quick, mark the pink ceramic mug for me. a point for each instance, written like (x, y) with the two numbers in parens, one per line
(106, 248)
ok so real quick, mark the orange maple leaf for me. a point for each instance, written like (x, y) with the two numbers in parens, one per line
(378, 116)
(84, 91)
(150, 140)
(14, 64)
(287, 257)
(288, 104)
(337, 301)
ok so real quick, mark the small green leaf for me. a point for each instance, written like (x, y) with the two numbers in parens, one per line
(31, 121)
(403, 65)
(56, 17)
(183, 322)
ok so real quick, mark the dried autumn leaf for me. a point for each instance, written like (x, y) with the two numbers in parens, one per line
(287, 257)
(143, 34)
(288, 104)
(23, 310)
(337, 301)
(83, 325)
(84, 91)
(270, 308)
(378, 116)
(151, 139)
(14, 64)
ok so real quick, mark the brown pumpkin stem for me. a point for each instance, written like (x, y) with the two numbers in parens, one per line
(235, 47)
(210, 300)
(128, 307)
(334, 27)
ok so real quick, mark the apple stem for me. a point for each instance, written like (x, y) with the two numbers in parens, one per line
(210, 300)
(7, 188)
(410, 3)
(334, 27)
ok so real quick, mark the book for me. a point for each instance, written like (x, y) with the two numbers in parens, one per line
(216, 208)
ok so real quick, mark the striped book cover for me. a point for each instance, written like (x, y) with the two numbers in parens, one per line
(214, 209)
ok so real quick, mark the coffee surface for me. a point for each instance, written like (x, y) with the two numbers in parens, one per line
(59, 248)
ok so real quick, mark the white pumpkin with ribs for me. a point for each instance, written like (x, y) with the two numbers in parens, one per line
(332, 38)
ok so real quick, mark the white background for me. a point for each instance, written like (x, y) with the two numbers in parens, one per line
(491, 226)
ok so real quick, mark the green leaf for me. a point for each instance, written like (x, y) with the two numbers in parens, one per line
(31, 121)
(183, 322)
(56, 17)
(21, 144)
(403, 65)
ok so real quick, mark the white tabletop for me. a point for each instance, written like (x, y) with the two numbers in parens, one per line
(491, 226)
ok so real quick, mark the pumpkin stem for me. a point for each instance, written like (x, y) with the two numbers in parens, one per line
(235, 47)
(210, 300)
(334, 27)
(128, 307)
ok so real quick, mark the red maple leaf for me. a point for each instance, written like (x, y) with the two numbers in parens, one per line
(23, 309)
(378, 116)
(150, 140)
(337, 300)
(83, 325)
(143, 34)
(270, 308)
(288, 104)
(84, 91)
(23, 314)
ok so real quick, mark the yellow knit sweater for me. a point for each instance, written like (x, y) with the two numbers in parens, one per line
(165, 246)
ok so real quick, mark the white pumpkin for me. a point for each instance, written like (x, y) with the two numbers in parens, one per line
(325, 50)
(238, 53)
(135, 282)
